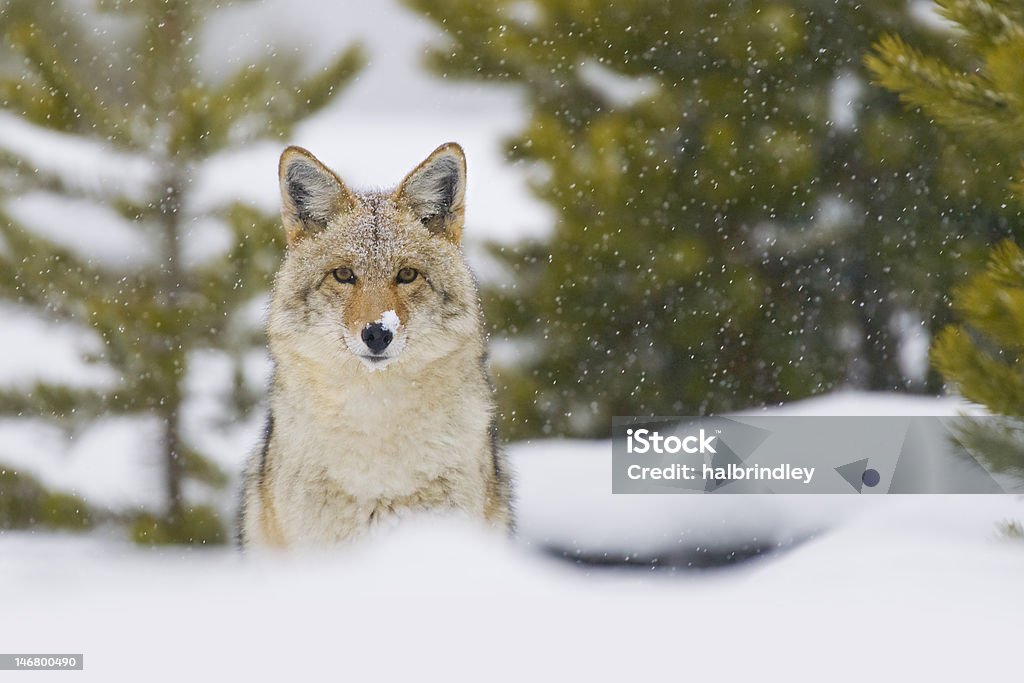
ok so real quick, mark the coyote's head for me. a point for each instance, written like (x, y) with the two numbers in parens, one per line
(373, 278)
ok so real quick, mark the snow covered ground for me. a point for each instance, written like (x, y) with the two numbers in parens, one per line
(921, 588)
(891, 586)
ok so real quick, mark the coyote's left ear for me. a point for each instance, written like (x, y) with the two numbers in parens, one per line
(436, 191)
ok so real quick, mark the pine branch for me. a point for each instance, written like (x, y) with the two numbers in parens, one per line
(998, 384)
(119, 306)
(68, 405)
(257, 101)
(245, 398)
(290, 100)
(66, 104)
(35, 102)
(985, 22)
(40, 277)
(469, 53)
(963, 102)
(245, 271)
(993, 301)
(200, 468)
(21, 177)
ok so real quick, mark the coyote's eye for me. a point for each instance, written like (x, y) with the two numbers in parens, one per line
(344, 275)
(406, 275)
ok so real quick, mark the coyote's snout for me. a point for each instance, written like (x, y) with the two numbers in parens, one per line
(380, 402)
(373, 327)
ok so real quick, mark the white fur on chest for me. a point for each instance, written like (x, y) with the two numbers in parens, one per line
(380, 436)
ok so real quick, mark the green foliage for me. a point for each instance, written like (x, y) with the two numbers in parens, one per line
(732, 234)
(1011, 528)
(199, 525)
(982, 356)
(999, 441)
(65, 511)
(978, 93)
(26, 503)
(126, 77)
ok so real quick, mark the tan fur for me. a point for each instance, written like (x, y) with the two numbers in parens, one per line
(353, 442)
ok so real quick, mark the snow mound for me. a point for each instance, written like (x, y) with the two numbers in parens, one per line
(442, 600)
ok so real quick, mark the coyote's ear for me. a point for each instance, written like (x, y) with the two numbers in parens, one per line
(310, 194)
(436, 191)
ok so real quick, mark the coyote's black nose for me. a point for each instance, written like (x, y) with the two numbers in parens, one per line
(377, 337)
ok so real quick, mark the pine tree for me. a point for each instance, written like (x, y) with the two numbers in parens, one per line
(127, 78)
(979, 97)
(740, 220)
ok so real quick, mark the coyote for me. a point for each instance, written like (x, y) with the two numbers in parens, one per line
(380, 402)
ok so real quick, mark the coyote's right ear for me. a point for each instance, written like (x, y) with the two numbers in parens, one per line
(310, 194)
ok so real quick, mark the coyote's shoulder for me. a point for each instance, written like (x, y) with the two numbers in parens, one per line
(380, 402)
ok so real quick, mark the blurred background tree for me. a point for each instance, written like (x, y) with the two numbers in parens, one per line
(740, 219)
(125, 76)
(977, 93)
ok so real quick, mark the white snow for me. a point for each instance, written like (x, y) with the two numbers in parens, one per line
(205, 239)
(33, 349)
(873, 578)
(96, 232)
(922, 590)
(929, 15)
(112, 463)
(914, 345)
(844, 98)
(85, 165)
(855, 403)
(390, 321)
(617, 89)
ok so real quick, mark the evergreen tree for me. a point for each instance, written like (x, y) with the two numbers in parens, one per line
(979, 97)
(127, 77)
(740, 220)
